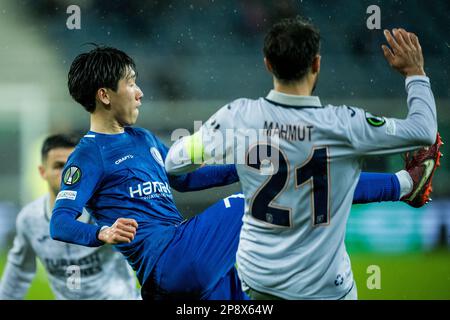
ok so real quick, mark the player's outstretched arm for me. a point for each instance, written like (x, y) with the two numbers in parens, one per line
(370, 134)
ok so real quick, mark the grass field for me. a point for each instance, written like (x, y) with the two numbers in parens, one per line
(403, 276)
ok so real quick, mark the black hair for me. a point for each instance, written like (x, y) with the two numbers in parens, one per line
(98, 68)
(290, 46)
(58, 141)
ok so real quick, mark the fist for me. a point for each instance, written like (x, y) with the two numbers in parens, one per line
(405, 52)
(122, 231)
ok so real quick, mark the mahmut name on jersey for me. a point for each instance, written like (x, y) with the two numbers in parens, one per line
(290, 132)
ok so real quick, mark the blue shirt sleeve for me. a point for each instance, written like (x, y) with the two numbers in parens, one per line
(202, 178)
(81, 176)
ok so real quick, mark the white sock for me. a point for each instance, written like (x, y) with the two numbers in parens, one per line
(406, 182)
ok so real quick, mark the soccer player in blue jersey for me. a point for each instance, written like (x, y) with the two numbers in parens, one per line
(117, 172)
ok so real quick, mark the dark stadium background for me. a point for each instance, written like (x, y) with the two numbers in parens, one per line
(195, 56)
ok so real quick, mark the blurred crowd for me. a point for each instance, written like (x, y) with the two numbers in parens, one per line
(191, 49)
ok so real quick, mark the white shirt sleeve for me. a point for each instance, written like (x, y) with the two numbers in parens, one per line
(369, 134)
(20, 267)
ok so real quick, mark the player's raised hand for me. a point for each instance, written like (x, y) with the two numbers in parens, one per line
(122, 231)
(404, 53)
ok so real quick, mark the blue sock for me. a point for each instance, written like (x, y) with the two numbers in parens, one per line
(376, 187)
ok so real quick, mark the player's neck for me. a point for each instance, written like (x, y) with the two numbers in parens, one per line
(301, 88)
(103, 124)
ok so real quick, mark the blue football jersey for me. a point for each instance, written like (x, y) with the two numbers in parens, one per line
(123, 176)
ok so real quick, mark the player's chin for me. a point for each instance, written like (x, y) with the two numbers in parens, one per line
(133, 117)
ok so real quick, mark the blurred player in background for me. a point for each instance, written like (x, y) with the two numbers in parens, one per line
(74, 272)
(299, 190)
(117, 172)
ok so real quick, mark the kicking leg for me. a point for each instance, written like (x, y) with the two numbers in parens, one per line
(202, 253)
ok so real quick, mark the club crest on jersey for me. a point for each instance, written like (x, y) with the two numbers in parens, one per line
(72, 176)
(157, 156)
(374, 121)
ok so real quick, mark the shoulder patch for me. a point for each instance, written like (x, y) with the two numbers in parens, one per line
(72, 175)
(66, 194)
(374, 121)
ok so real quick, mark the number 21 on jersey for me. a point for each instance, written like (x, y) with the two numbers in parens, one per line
(314, 171)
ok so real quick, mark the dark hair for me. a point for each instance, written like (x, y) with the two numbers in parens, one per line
(58, 141)
(90, 71)
(290, 46)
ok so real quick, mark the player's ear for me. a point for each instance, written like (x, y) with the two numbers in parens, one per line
(42, 171)
(103, 96)
(315, 68)
(268, 65)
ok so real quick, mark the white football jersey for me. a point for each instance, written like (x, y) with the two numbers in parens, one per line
(74, 272)
(298, 175)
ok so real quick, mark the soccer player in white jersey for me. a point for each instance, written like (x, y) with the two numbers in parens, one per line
(299, 171)
(74, 272)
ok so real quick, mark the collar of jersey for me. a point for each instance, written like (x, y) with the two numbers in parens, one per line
(93, 134)
(290, 100)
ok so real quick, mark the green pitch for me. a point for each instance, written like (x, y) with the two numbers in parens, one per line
(403, 276)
